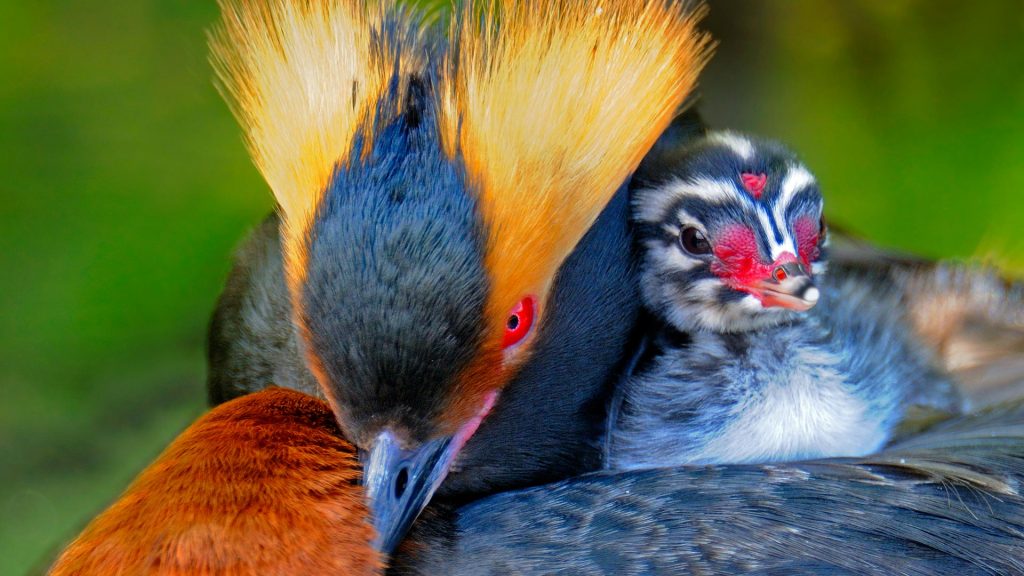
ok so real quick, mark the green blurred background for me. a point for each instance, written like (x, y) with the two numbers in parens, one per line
(125, 187)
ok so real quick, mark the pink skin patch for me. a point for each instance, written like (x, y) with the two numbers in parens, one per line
(738, 263)
(808, 236)
(467, 430)
(754, 183)
(737, 260)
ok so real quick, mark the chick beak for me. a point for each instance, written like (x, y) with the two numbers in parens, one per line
(400, 482)
(789, 286)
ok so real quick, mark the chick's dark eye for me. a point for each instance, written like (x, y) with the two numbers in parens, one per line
(694, 241)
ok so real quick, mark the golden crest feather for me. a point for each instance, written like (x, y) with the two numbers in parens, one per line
(303, 77)
(552, 105)
(549, 106)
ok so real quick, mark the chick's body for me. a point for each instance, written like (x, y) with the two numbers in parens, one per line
(833, 383)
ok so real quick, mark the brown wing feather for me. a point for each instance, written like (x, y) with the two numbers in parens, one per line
(264, 484)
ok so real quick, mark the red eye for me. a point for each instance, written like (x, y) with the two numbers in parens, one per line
(519, 322)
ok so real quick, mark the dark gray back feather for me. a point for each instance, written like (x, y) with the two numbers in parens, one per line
(946, 502)
(252, 342)
(850, 364)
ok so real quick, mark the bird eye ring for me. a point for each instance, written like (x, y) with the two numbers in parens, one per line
(519, 322)
(693, 241)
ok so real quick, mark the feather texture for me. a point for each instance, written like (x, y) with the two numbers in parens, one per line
(834, 382)
(970, 314)
(304, 79)
(947, 502)
(264, 484)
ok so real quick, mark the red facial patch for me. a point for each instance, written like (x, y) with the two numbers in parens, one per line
(737, 260)
(808, 236)
(754, 183)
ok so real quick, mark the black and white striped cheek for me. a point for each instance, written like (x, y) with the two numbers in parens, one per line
(675, 284)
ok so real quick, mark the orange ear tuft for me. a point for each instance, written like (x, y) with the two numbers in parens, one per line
(553, 105)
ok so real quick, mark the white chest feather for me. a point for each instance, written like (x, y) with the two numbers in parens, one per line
(809, 415)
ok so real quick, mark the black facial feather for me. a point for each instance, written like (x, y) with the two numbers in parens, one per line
(563, 389)
(393, 223)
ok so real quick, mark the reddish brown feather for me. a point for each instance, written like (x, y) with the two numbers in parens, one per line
(264, 484)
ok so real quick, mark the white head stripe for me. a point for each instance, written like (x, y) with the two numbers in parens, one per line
(738, 144)
(797, 178)
(777, 248)
(652, 203)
